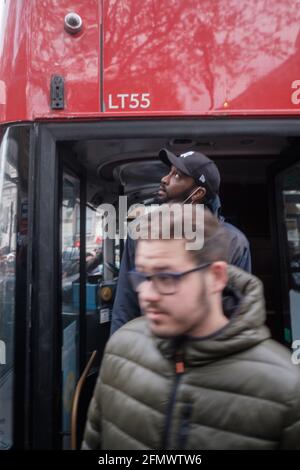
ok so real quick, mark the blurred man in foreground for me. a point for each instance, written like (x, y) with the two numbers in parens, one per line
(198, 370)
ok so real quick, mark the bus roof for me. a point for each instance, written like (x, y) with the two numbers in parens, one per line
(151, 58)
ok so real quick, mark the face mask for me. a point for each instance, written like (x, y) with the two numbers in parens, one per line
(191, 195)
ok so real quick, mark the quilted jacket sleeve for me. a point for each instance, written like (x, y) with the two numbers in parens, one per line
(291, 433)
(92, 433)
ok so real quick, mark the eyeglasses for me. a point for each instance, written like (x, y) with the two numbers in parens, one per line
(165, 283)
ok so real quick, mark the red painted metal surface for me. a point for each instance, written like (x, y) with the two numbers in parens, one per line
(172, 58)
(35, 46)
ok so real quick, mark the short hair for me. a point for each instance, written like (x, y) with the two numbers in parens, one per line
(216, 241)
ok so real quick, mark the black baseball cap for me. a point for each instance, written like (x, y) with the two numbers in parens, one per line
(197, 165)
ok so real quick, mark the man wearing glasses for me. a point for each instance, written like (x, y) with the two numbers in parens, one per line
(198, 370)
(193, 178)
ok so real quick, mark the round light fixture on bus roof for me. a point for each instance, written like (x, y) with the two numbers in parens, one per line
(73, 23)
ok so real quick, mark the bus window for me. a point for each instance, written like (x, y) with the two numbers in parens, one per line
(94, 240)
(94, 278)
(8, 197)
(290, 189)
(70, 267)
(13, 253)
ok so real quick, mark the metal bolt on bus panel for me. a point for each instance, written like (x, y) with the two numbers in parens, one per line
(57, 92)
(73, 23)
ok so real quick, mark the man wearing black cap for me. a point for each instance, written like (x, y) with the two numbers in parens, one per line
(193, 178)
(203, 174)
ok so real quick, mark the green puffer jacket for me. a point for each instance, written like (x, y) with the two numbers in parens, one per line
(239, 389)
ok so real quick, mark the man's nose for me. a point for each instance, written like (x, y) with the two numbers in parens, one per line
(148, 292)
(166, 179)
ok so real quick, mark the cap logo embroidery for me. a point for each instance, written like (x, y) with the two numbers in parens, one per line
(187, 154)
(202, 179)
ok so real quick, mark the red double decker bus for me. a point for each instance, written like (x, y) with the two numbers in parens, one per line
(90, 90)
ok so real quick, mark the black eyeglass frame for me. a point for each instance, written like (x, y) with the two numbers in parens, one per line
(137, 278)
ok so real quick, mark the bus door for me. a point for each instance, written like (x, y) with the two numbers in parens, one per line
(287, 196)
(87, 288)
(71, 301)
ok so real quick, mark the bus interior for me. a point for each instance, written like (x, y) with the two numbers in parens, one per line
(131, 167)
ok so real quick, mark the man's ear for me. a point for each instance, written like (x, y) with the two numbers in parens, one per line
(218, 270)
(198, 196)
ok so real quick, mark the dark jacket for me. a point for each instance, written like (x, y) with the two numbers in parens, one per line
(126, 305)
(239, 389)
